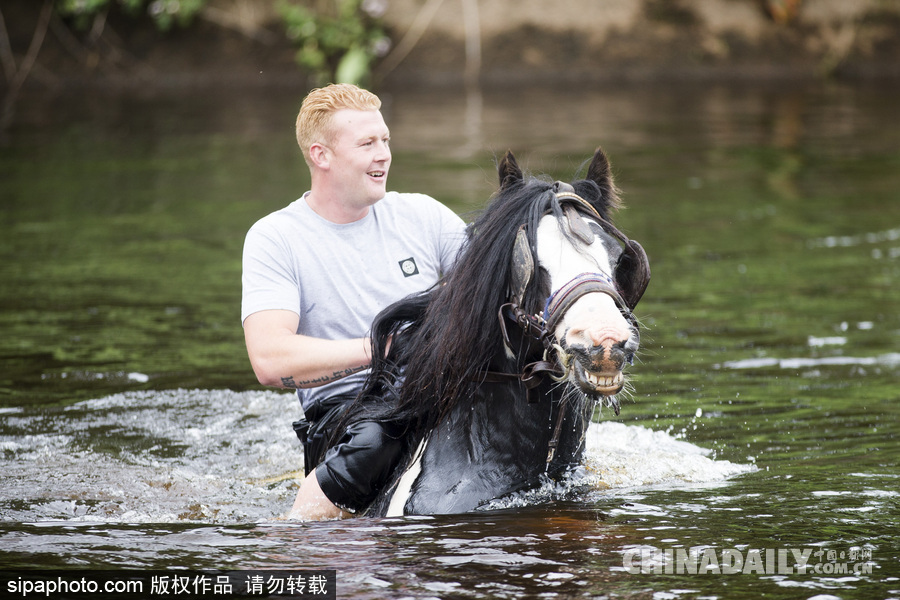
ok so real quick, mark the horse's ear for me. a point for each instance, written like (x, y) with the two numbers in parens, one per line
(600, 173)
(509, 171)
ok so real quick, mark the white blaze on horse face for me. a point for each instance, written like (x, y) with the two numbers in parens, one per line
(564, 259)
(594, 320)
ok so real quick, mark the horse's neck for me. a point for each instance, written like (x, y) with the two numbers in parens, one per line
(494, 446)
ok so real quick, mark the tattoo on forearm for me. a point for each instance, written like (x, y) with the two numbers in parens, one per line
(289, 381)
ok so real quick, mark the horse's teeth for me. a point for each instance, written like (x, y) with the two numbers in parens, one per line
(601, 381)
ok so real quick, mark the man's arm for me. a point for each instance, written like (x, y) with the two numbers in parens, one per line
(282, 358)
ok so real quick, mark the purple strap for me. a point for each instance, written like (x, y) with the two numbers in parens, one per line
(582, 284)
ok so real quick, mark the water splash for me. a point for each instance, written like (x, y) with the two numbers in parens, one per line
(226, 457)
(179, 455)
(620, 458)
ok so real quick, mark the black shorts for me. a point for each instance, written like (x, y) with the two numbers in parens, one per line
(317, 427)
(357, 466)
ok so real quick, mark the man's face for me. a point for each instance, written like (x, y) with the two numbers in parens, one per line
(360, 155)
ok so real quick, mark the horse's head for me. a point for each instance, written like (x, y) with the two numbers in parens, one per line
(596, 276)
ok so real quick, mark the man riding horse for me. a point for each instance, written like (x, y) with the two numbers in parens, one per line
(479, 386)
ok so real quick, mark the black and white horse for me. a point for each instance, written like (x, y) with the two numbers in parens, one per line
(494, 374)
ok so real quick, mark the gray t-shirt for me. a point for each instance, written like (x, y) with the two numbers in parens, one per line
(338, 277)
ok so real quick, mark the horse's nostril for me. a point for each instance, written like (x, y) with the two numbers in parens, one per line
(607, 341)
(612, 354)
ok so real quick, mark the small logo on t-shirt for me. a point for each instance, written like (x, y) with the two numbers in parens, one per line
(408, 266)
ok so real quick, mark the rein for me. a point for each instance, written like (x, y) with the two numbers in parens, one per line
(532, 374)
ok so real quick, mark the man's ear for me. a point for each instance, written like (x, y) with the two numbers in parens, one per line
(320, 156)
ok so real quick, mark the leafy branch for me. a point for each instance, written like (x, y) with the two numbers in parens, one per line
(338, 39)
(165, 13)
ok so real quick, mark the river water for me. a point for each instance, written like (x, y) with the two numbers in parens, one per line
(757, 455)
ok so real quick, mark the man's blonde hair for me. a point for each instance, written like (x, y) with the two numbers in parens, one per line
(314, 120)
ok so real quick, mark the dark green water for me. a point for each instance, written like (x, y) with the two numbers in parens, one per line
(765, 408)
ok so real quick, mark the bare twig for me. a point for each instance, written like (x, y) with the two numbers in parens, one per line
(37, 40)
(472, 22)
(6, 52)
(412, 36)
(69, 42)
(97, 26)
(20, 73)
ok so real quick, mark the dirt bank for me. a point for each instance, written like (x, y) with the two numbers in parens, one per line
(499, 42)
(601, 40)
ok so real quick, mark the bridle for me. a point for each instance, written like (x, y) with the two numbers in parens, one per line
(541, 327)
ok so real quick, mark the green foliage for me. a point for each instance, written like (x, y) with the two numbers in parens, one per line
(164, 13)
(337, 39)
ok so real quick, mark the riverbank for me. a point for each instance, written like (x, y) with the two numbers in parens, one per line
(655, 40)
(501, 43)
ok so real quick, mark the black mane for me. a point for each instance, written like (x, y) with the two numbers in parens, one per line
(443, 339)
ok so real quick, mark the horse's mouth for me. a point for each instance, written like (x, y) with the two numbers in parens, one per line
(598, 384)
